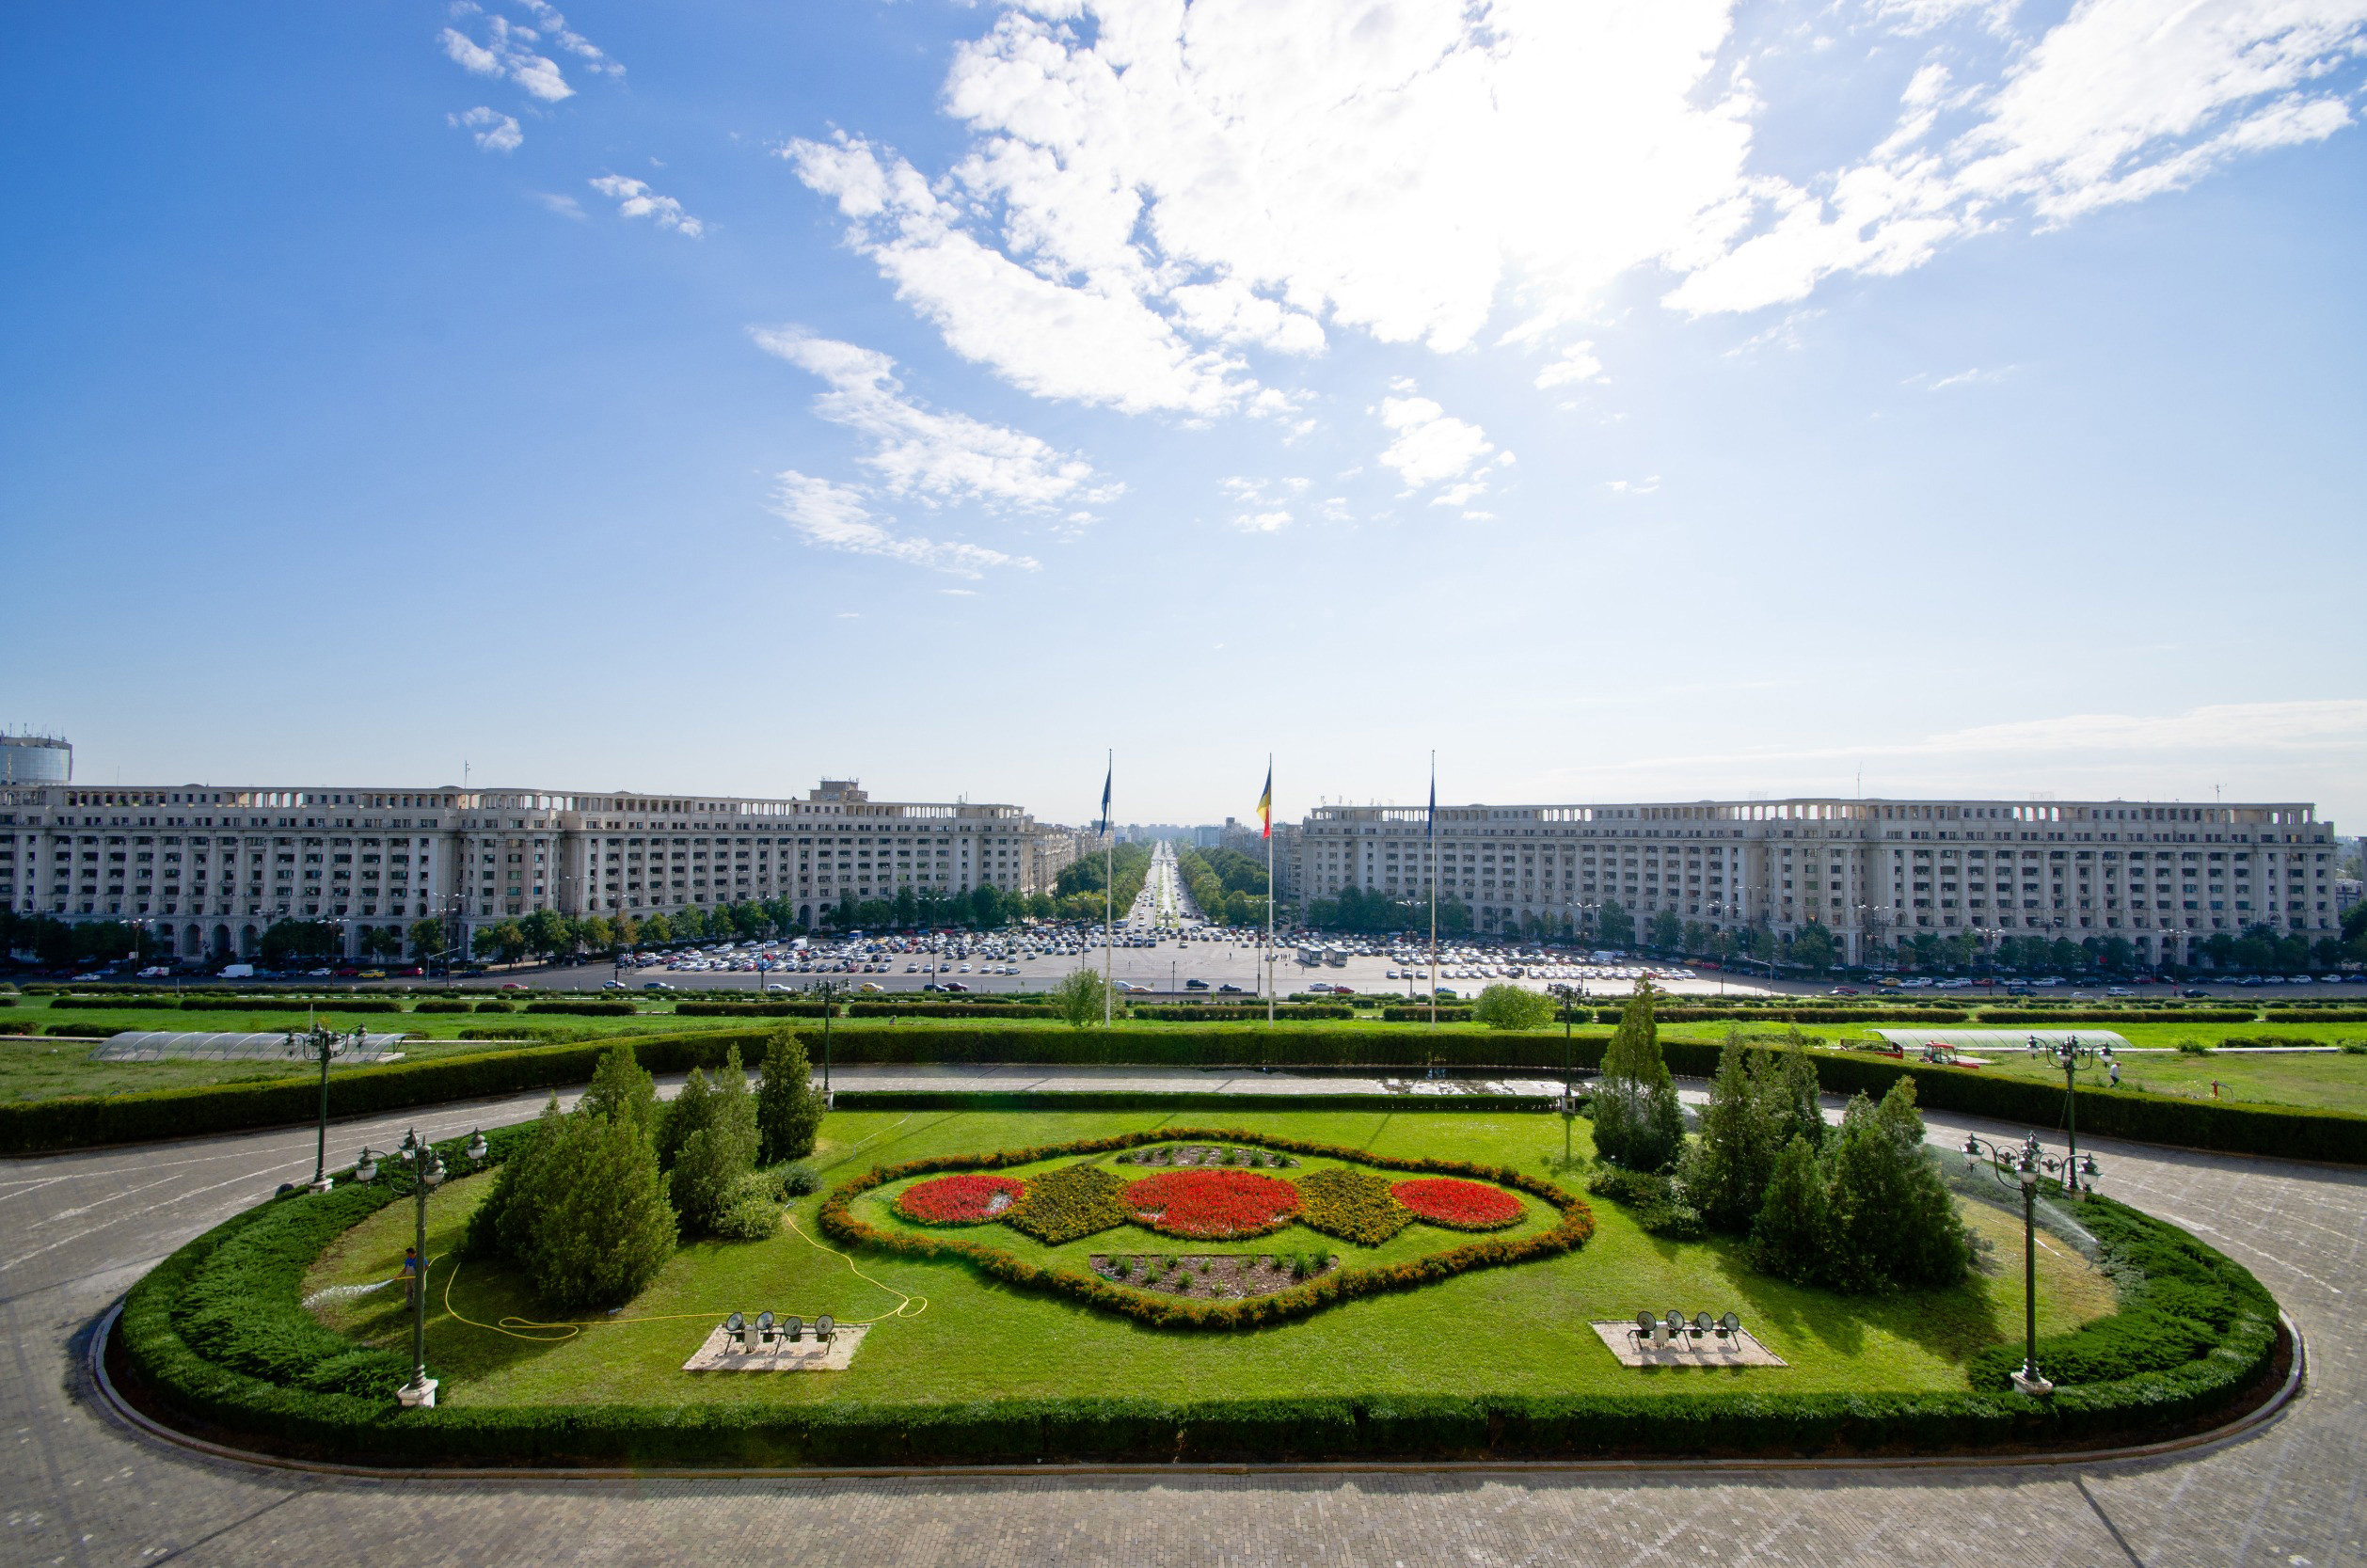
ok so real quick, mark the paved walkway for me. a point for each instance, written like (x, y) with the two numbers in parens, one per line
(75, 1230)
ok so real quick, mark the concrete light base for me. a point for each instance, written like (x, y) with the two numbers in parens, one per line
(417, 1396)
(324, 1184)
(2037, 1386)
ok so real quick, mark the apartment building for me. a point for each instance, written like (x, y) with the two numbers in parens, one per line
(209, 868)
(2164, 875)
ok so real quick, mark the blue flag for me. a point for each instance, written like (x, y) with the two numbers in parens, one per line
(1430, 818)
(1105, 782)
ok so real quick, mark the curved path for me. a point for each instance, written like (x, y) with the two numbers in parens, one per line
(75, 1230)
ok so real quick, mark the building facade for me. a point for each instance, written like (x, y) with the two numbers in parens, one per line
(209, 869)
(1872, 873)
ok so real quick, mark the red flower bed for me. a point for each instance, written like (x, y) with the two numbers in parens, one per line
(960, 1199)
(1206, 1203)
(1458, 1205)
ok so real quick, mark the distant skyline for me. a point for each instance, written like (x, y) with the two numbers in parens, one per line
(1649, 400)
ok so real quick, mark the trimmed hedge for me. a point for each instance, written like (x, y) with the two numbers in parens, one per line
(217, 1334)
(753, 1010)
(947, 1009)
(1235, 1012)
(41, 1126)
(586, 1009)
(1576, 1228)
(1420, 1013)
(82, 1121)
(1796, 1015)
(2315, 1015)
(2181, 1303)
(1215, 1045)
(343, 1003)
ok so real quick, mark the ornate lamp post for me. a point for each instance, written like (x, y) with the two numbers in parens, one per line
(829, 991)
(1567, 1104)
(2021, 1164)
(323, 1045)
(417, 1160)
(2068, 1054)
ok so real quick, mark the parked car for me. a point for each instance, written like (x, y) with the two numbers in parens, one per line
(1195, 985)
(655, 985)
(2194, 990)
(1230, 987)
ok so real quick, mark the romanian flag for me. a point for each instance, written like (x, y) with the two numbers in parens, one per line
(1265, 805)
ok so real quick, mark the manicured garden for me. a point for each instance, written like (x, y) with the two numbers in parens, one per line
(1132, 1282)
(1520, 1329)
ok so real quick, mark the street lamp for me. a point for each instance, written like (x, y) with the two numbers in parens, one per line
(417, 1160)
(2068, 1054)
(830, 993)
(2024, 1163)
(1567, 1104)
(323, 1044)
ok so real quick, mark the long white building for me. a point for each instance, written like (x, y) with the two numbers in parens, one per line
(211, 868)
(2164, 875)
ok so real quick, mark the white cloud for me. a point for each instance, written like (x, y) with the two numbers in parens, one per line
(2230, 728)
(1431, 444)
(1153, 191)
(494, 132)
(1094, 341)
(1974, 377)
(565, 206)
(508, 52)
(635, 199)
(1577, 363)
(838, 517)
(928, 454)
(1632, 486)
(2122, 100)
(1263, 505)
(555, 26)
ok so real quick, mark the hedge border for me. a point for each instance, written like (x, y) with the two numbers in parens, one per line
(1575, 1229)
(146, 1351)
(44, 1126)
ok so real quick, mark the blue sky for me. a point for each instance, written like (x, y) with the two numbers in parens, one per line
(1663, 399)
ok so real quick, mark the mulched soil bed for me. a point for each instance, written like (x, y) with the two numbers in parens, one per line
(1207, 1154)
(1215, 1276)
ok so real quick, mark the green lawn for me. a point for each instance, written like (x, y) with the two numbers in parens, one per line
(2319, 1082)
(1515, 1330)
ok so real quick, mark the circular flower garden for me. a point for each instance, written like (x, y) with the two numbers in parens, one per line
(1208, 1204)
(960, 1199)
(1458, 1204)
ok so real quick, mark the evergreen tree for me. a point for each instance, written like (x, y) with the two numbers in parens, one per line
(1893, 1221)
(498, 1226)
(682, 1115)
(620, 1088)
(1793, 1110)
(603, 1228)
(1790, 1236)
(789, 1112)
(1637, 1119)
(1725, 1171)
(715, 1155)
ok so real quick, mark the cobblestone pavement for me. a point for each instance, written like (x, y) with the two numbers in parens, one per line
(75, 1230)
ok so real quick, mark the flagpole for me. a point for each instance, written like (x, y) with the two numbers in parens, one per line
(1109, 889)
(1430, 832)
(1269, 890)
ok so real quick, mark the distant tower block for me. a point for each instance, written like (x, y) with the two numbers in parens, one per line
(36, 759)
